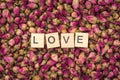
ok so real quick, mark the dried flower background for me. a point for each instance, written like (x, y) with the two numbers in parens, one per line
(99, 18)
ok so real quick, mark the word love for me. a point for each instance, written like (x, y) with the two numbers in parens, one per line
(67, 40)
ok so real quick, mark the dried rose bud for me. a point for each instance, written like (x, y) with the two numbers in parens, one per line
(81, 58)
(72, 29)
(91, 19)
(34, 1)
(97, 58)
(66, 73)
(23, 70)
(88, 4)
(1, 68)
(32, 56)
(23, 26)
(92, 55)
(75, 4)
(54, 57)
(7, 77)
(32, 30)
(16, 11)
(6, 36)
(2, 5)
(36, 77)
(2, 21)
(75, 78)
(30, 23)
(73, 71)
(116, 42)
(8, 59)
(5, 13)
(11, 42)
(105, 49)
(60, 7)
(19, 32)
(20, 76)
(15, 69)
(74, 14)
(32, 5)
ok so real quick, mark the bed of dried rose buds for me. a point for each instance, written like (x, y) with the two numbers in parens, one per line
(99, 18)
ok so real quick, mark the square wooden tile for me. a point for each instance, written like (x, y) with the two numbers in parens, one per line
(52, 40)
(81, 40)
(37, 40)
(67, 40)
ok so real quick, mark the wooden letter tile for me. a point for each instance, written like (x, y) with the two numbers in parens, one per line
(67, 40)
(52, 40)
(81, 40)
(37, 40)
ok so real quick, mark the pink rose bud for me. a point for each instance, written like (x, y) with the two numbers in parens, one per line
(74, 14)
(11, 42)
(37, 65)
(1, 68)
(8, 59)
(75, 4)
(16, 11)
(47, 55)
(34, 1)
(2, 5)
(32, 30)
(114, 6)
(83, 29)
(88, 4)
(81, 58)
(73, 71)
(98, 48)
(6, 36)
(108, 1)
(5, 13)
(68, 1)
(60, 8)
(10, 18)
(93, 1)
(70, 62)
(66, 73)
(40, 30)
(116, 42)
(92, 55)
(54, 57)
(105, 49)
(23, 26)
(19, 32)
(51, 62)
(72, 29)
(91, 19)
(23, 70)
(20, 76)
(32, 56)
(32, 5)
(3, 21)
(102, 19)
